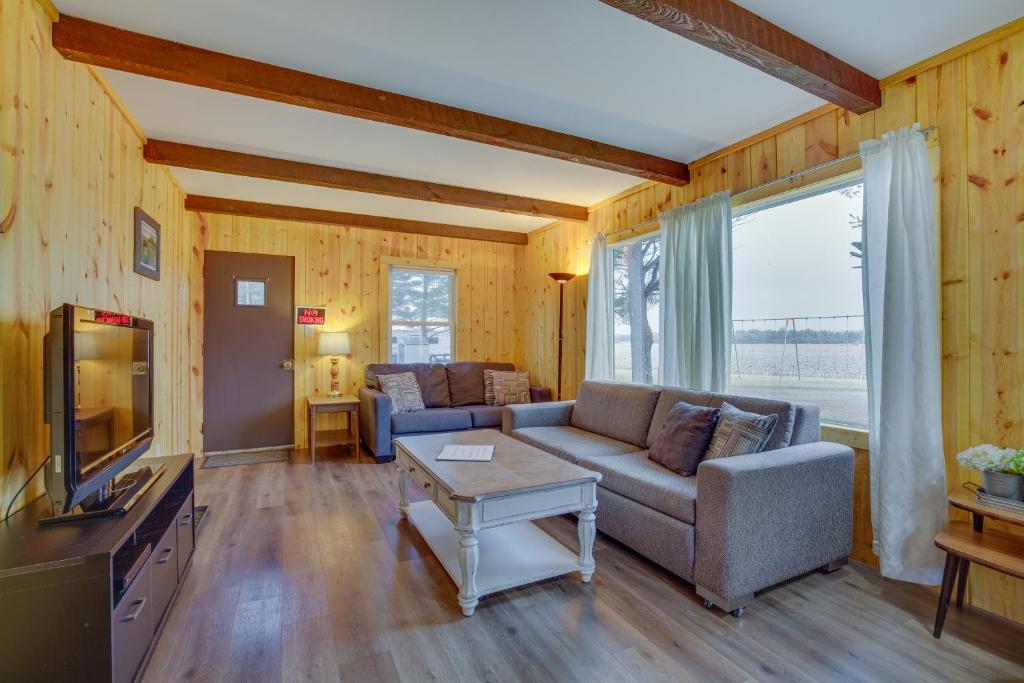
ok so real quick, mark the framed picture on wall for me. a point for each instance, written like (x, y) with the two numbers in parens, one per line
(147, 245)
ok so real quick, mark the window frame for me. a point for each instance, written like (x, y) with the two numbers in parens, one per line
(388, 267)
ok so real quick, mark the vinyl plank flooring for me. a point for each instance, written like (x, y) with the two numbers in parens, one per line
(306, 572)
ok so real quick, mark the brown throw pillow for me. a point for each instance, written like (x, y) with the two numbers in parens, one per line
(489, 387)
(739, 433)
(684, 438)
(404, 391)
(510, 387)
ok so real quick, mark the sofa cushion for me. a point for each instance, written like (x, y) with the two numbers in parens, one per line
(684, 438)
(431, 420)
(466, 381)
(431, 377)
(618, 411)
(785, 411)
(639, 478)
(403, 390)
(570, 443)
(485, 416)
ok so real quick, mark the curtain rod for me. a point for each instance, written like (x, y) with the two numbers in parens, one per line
(788, 178)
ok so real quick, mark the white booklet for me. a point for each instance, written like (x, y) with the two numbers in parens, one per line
(467, 453)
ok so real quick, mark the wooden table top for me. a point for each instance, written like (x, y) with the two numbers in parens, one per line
(994, 549)
(516, 466)
(344, 399)
(966, 500)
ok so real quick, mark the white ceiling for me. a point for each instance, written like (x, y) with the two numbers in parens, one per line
(576, 66)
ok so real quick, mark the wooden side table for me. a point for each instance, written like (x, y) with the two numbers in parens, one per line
(965, 543)
(333, 437)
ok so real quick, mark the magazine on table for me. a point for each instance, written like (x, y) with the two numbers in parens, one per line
(467, 453)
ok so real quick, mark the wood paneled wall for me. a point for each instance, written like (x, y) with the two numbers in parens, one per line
(340, 267)
(72, 173)
(975, 100)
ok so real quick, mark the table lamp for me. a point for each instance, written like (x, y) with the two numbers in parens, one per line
(334, 344)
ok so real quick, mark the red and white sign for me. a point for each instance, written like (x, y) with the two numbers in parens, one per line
(108, 318)
(310, 315)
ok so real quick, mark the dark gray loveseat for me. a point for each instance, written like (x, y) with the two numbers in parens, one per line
(741, 524)
(453, 394)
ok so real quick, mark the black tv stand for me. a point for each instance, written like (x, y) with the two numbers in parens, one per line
(89, 599)
(116, 499)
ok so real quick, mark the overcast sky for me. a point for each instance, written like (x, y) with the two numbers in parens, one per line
(794, 260)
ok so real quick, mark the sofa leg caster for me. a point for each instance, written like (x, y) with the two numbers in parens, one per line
(833, 565)
(708, 604)
(738, 612)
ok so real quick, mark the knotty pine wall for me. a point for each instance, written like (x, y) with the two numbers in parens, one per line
(340, 267)
(72, 173)
(976, 100)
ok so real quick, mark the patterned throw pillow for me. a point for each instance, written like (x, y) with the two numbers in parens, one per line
(739, 432)
(404, 391)
(511, 387)
(489, 387)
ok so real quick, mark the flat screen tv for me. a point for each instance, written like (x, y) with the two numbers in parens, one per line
(99, 400)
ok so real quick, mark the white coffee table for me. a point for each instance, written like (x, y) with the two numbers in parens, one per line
(477, 521)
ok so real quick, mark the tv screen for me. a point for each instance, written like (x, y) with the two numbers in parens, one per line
(101, 412)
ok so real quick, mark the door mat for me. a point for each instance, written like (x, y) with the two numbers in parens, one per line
(246, 458)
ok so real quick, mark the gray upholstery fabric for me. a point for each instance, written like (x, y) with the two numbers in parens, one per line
(570, 443)
(654, 535)
(485, 416)
(806, 424)
(551, 414)
(466, 381)
(375, 421)
(780, 438)
(431, 377)
(619, 411)
(766, 517)
(431, 420)
(639, 478)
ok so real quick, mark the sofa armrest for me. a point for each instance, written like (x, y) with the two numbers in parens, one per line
(551, 414)
(375, 421)
(767, 517)
(540, 395)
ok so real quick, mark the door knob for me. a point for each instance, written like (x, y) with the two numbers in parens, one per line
(288, 364)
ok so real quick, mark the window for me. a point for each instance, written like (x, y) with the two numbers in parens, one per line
(798, 314)
(635, 270)
(422, 305)
(250, 292)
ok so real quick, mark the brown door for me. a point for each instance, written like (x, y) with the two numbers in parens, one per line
(248, 347)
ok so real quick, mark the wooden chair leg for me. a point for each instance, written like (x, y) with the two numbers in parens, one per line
(961, 582)
(948, 579)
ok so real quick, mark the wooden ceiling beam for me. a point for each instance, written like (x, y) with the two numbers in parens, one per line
(736, 32)
(270, 168)
(107, 46)
(238, 207)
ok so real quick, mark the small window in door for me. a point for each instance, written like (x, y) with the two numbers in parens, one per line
(251, 292)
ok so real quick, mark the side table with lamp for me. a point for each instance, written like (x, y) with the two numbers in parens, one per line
(333, 345)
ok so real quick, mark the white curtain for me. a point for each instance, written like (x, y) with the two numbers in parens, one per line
(901, 320)
(696, 294)
(600, 351)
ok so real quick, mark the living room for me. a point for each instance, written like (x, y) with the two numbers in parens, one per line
(328, 251)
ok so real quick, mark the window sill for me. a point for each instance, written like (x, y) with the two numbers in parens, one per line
(854, 437)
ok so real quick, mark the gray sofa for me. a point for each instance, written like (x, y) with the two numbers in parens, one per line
(741, 524)
(453, 394)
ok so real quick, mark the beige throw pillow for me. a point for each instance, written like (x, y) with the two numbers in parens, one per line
(489, 387)
(404, 391)
(511, 387)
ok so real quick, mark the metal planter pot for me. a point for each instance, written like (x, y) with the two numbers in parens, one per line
(1004, 485)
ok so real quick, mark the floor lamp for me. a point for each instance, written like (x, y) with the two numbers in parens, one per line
(561, 279)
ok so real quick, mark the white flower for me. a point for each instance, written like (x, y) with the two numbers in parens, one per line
(985, 457)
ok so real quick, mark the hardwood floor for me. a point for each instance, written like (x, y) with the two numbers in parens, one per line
(306, 573)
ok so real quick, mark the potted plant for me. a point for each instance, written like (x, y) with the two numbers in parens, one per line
(1001, 468)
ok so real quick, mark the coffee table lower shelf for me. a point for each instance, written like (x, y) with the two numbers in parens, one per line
(511, 555)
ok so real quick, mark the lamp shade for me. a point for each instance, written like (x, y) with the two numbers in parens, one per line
(333, 344)
(561, 278)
